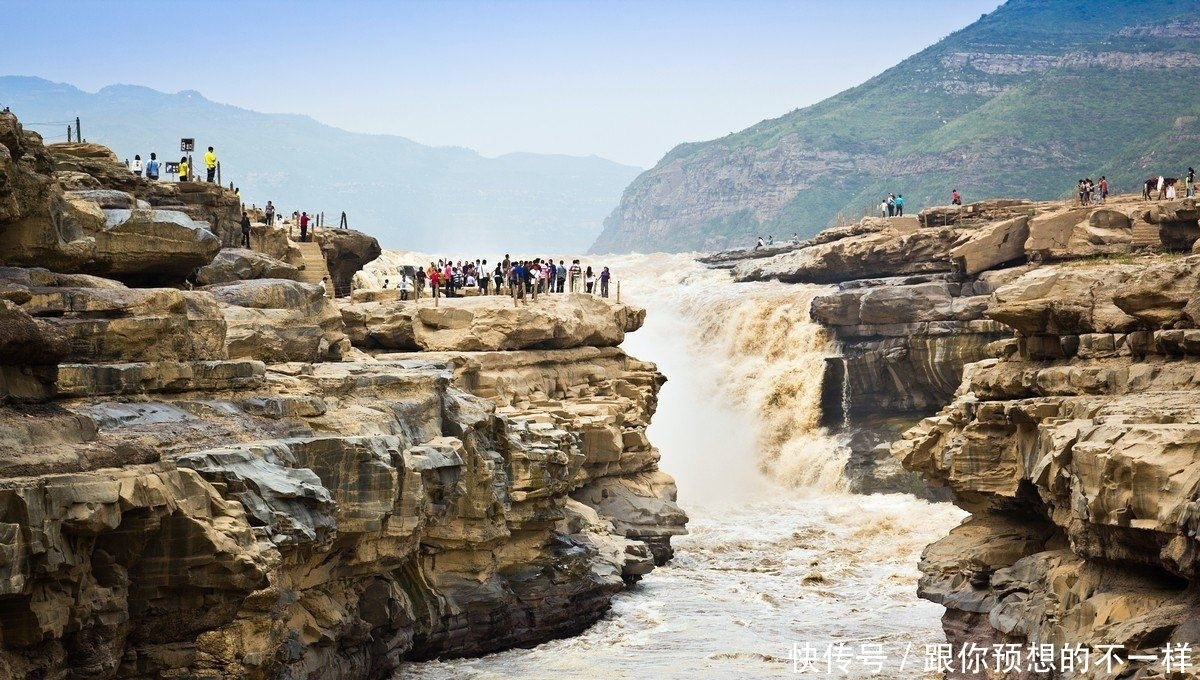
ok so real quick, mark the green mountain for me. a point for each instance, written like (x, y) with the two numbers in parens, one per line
(1023, 102)
(408, 195)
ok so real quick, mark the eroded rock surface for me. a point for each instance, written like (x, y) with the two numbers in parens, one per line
(194, 486)
(491, 323)
(1065, 341)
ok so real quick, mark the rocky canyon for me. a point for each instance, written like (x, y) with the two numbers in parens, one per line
(1037, 362)
(243, 478)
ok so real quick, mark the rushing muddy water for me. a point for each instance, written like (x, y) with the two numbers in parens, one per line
(777, 559)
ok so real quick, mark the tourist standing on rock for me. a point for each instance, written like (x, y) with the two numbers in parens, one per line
(245, 230)
(891, 204)
(269, 211)
(137, 165)
(1103, 189)
(1190, 189)
(573, 275)
(561, 272)
(1170, 192)
(152, 168)
(183, 169)
(324, 286)
(899, 205)
(605, 275)
(404, 288)
(955, 199)
(210, 164)
(304, 226)
(589, 280)
(883, 208)
(434, 280)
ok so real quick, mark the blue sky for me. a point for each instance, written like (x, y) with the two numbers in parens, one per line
(622, 80)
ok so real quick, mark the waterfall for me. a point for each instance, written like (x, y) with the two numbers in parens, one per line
(758, 353)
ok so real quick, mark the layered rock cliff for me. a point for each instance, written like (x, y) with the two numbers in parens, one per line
(1058, 346)
(216, 482)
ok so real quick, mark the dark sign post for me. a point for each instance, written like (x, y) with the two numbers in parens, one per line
(187, 145)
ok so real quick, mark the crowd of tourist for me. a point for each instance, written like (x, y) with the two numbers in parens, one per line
(152, 168)
(892, 206)
(518, 278)
(1090, 192)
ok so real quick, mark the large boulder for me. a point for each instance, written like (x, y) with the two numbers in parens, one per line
(240, 264)
(89, 166)
(275, 320)
(1080, 233)
(346, 251)
(1064, 300)
(894, 251)
(96, 161)
(992, 245)
(24, 170)
(1163, 296)
(106, 233)
(491, 323)
(273, 241)
(103, 321)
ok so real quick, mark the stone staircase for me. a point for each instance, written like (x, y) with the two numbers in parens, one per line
(315, 268)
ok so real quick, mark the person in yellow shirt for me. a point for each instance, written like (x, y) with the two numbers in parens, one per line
(210, 162)
(183, 169)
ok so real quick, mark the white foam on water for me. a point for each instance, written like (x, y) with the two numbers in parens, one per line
(777, 554)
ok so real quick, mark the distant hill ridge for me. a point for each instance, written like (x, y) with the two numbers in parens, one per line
(1023, 102)
(409, 195)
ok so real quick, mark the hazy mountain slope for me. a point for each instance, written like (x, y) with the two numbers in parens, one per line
(1022, 102)
(407, 194)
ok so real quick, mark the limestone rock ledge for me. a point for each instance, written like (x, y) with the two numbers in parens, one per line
(488, 323)
(1066, 341)
(1077, 451)
(171, 507)
(198, 484)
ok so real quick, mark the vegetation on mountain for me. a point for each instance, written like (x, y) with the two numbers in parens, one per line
(1023, 102)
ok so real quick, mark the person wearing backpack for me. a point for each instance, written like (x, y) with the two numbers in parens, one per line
(152, 168)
